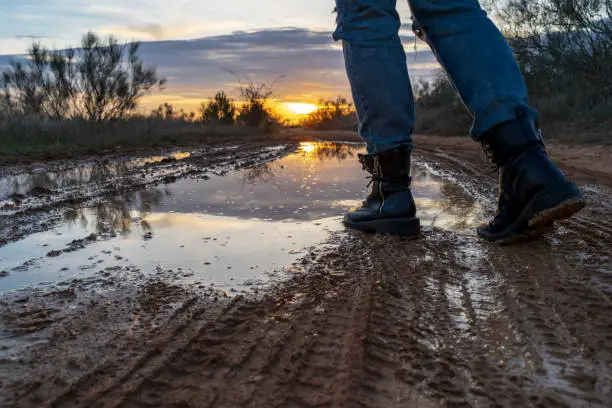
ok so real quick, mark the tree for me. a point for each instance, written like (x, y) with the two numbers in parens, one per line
(220, 110)
(255, 110)
(23, 86)
(164, 112)
(112, 78)
(60, 91)
(103, 80)
(562, 44)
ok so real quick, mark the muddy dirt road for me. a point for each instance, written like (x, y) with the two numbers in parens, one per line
(346, 320)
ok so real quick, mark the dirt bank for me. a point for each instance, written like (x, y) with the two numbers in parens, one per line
(443, 321)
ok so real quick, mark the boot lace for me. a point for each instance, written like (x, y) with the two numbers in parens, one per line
(373, 178)
(488, 153)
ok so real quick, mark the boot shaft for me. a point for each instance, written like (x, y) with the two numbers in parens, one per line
(390, 197)
(389, 170)
(510, 139)
(517, 148)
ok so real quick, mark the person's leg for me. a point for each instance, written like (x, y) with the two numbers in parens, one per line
(533, 192)
(477, 59)
(378, 74)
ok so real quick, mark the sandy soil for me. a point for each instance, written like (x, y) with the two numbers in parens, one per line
(443, 321)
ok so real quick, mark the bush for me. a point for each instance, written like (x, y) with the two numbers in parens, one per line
(439, 109)
(103, 80)
(337, 114)
(164, 111)
(220, 110)
(564, 49)
(254, 109)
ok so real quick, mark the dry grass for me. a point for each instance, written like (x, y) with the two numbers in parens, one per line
(46, 139)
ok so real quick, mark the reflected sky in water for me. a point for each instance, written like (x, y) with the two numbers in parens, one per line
(225, 229)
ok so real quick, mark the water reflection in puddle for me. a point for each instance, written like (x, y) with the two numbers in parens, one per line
(225, 229)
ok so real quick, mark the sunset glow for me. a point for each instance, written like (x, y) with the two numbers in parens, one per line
(197, 45)
(308, 147)
(301, 108)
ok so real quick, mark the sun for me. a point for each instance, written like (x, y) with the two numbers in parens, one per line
(301, 108)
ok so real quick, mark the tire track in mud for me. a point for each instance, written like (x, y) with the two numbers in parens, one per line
(118, 374)
(291, 350)
(443, 321)
(522, 339)
(439, 347)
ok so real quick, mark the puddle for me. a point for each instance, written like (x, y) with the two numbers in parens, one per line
(226, 230)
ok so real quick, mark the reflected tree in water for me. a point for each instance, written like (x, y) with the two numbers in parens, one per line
(326, 150)
(456, 202)
(120, 212)
(263, 172)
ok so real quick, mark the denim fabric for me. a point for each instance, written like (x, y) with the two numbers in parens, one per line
(467, 44)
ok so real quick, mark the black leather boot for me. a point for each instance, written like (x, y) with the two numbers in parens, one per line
(389, 208)
(533, 193)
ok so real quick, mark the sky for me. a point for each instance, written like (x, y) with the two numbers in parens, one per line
(194, 42)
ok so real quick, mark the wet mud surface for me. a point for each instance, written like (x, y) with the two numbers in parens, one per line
(339, 319)
(218, 228)
(37, 198)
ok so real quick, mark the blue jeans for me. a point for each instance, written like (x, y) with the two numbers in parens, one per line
(467, 44)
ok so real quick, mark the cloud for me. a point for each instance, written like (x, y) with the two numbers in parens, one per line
(155, 31)
(28, 37)
(310, 60)
(159, 32)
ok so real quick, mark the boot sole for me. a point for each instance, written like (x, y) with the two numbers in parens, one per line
(402, 227)
(563, 211)
(554, 203)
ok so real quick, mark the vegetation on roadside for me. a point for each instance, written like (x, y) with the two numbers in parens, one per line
(87, 98)
(564, 49)
(59, 102)
(48, 139)
(254, 109)
(439, 111)
(332, 114)
(220, 109)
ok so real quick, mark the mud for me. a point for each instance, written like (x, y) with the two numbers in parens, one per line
(219, 229)
(446, 320)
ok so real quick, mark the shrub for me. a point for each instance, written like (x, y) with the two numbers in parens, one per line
(103, 80)
(219, 110)
(337, 114)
